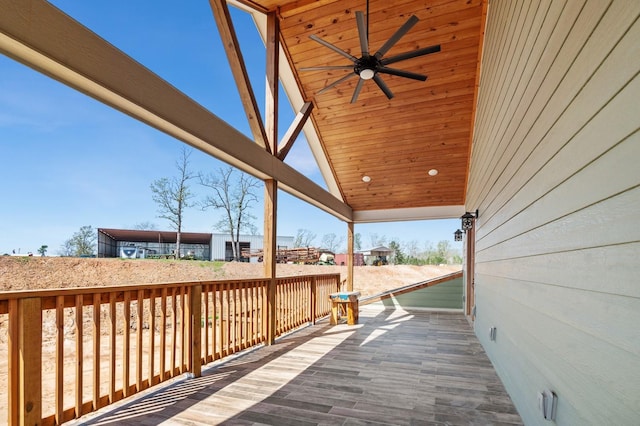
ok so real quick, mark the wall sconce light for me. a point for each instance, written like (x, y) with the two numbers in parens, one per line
(457, 236)
(467, 220)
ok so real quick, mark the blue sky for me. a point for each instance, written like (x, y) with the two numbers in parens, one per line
(70, 161)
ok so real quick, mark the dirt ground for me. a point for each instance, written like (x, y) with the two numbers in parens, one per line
(32, 273)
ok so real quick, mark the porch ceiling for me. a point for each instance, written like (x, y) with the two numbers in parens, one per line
(426, 125)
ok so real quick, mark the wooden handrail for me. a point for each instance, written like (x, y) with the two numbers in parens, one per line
(409, 288)
(187, 325)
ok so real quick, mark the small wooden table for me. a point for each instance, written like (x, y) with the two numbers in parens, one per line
(348, 299)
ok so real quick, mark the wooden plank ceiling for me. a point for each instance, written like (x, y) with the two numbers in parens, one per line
(426, 125)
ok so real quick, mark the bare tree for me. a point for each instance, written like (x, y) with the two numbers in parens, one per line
(377, 240)
(357, 241)
(332, 242)
(304, 238)
(66, 249)
(235, 196)
(145, 226)
(172, 195)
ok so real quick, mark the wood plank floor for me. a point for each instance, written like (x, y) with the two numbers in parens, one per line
(394, 368)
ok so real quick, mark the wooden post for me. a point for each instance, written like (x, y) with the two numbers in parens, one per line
(25, 406)
(271, 96)
(196, 326)
(349, 256)
(269, 261)
(14, 364)
(271, 185)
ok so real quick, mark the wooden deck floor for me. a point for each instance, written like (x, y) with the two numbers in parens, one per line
(395, 368)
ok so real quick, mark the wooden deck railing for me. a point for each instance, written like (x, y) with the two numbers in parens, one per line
(73, 351)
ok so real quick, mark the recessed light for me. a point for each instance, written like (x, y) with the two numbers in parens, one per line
(433, 172)
(366, 179)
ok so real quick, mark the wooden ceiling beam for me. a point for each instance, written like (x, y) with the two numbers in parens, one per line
(234, 56)
(294, 130)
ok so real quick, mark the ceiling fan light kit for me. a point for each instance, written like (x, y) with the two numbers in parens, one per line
(369, 67)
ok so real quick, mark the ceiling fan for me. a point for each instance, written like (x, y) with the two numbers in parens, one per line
(370, 66)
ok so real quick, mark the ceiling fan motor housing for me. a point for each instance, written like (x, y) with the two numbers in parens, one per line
(368, 64)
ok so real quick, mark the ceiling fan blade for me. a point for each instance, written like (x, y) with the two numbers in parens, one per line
(328, 67)
(412, 54)
(332, 47)
(383, 86)
(362, 32)
(397, 36)
(356, 92)
(335, 83)
(402, 73)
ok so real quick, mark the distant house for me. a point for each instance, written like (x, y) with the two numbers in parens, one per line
(377, 256)
(140, 244)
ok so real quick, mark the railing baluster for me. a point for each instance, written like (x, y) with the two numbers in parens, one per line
(237, 315)
(245, 316)
(214, 322)
(139, 324)
(152, 338)
(205, 296)
(227, 335)
(186, 329)
(59, 392)
(313, 290)
(96, 350)
(112, 347)
(252, 314)
(79, 355)
(182, 330)
(126, 342)
(174, 331)
(163, 335)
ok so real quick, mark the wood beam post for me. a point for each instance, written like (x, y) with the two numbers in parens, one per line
(350, 227)
(239, 70)
(271, 96)
(269, 259)
(25, 359)
(271, 185)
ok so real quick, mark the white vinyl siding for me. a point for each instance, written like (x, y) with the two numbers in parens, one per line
(555, 174)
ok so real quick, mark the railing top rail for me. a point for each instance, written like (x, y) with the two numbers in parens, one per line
(24, 294)
(410, 287)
